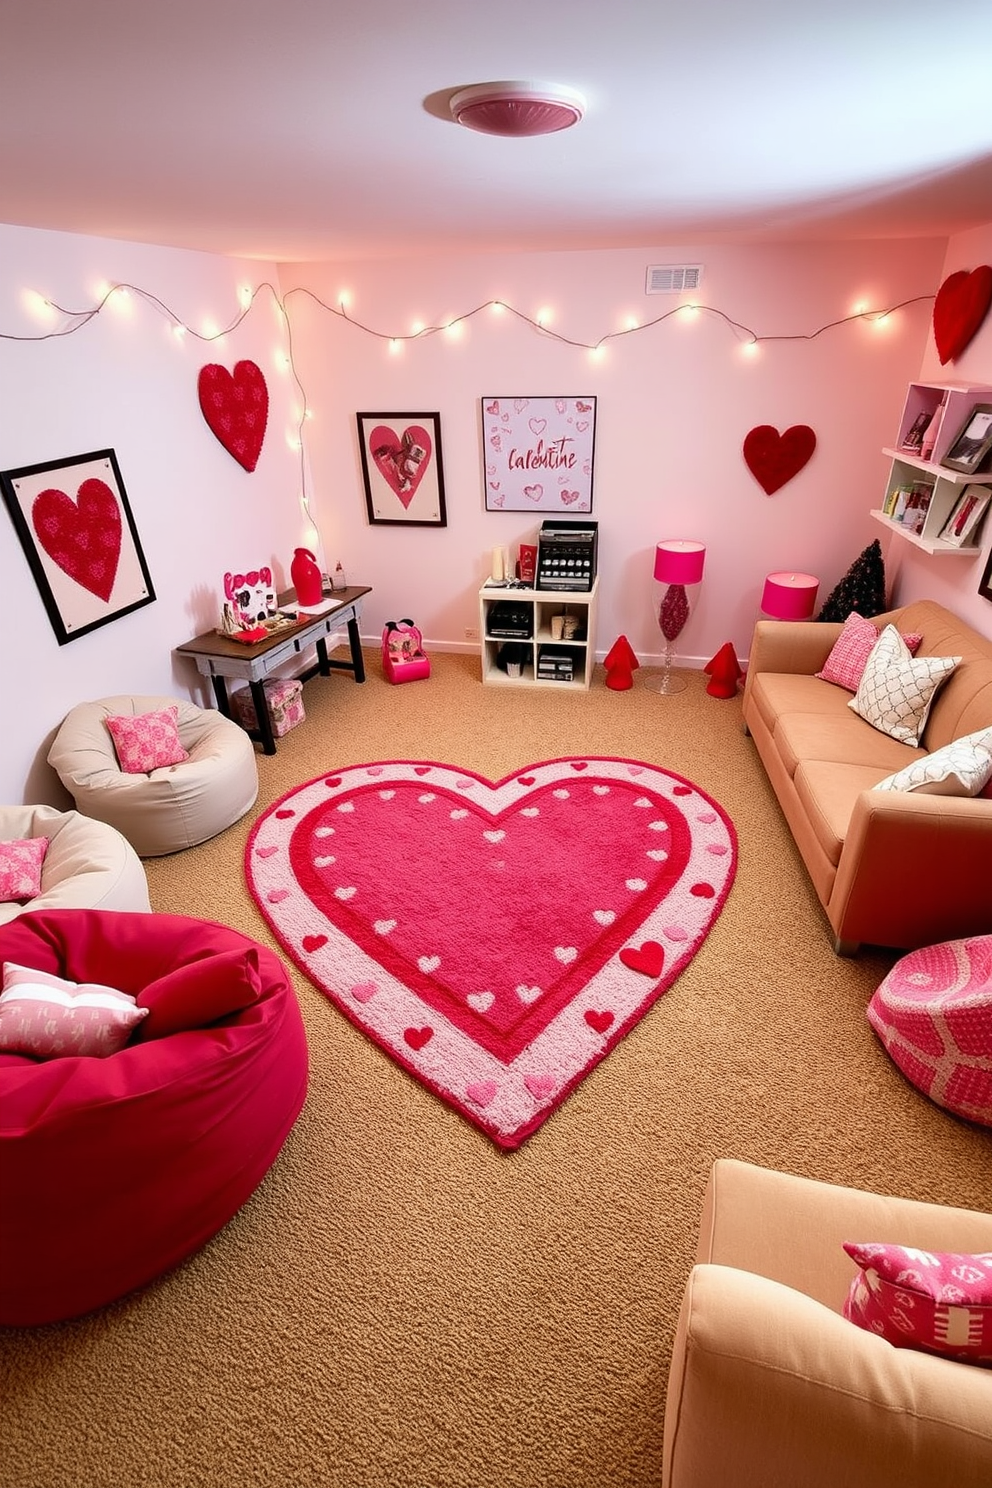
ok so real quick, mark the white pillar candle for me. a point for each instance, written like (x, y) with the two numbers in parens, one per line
(498, 571)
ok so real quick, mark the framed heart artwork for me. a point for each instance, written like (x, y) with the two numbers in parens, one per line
(402, 468)
(75, 526)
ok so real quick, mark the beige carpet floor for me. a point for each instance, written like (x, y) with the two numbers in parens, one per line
(400, 1305)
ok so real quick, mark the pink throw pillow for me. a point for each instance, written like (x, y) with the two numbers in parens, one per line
(847, 661)
(193, 996)
(147, 741)
(20, 869)
(936, 1301)
(47, 1016)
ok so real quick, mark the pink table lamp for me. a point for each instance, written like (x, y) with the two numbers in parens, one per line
(678, 570)
(789, 596)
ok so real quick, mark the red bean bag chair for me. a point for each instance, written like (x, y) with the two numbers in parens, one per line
(113, 1169)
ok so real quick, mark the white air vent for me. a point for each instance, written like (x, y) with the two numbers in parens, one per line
(673, 278)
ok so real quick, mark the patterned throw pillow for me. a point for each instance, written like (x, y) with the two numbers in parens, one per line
(896, 691)
(963, 768)
(47, 1016)
(938, 1301)
(147, 741)
(847, 661)
(20, 869)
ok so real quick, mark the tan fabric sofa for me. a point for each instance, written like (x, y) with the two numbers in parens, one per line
(890, 868)
(771, 1387)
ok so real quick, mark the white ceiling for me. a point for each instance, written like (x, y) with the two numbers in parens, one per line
(317, 129)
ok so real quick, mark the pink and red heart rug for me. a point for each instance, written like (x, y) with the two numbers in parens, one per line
(497, 939)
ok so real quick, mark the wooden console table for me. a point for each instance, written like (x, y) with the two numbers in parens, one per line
(218, 657)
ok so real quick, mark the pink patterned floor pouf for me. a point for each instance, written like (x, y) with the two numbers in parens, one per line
(933, 1014)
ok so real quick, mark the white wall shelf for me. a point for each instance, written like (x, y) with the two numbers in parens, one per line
(949, 405)
(543, 605)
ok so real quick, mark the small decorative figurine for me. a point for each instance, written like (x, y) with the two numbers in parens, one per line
(620, 663)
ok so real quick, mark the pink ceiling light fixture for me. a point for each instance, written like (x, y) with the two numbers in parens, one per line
(517, 109)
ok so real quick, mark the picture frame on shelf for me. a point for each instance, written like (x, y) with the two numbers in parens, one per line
(968, 511)
(74, 522)
(538, 454)
(985, 585)
(973, 443)
(913, 442)
(402, 469)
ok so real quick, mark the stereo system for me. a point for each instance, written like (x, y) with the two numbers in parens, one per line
(566, 555)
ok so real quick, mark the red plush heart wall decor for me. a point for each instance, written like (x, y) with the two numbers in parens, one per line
(774, 458)
(236, 407)
(961, 305)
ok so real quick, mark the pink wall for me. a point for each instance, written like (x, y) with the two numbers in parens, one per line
(125, 382)
(912, 574)
(674, 403)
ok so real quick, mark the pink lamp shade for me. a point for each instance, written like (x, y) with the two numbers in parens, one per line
(789, 596)
(679, 562)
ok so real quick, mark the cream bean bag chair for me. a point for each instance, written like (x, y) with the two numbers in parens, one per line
(87, 864)
(169, 808)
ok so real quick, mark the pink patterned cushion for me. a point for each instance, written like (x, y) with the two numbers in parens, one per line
(939, 1302)
(847, 661)
(933, 1014)
(47, 1016)
(147, 741)
(20, 869)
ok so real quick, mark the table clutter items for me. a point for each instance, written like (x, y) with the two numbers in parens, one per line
(307, 578)
(284, 699)
(249, 600)
(403, 656)
(220, 657)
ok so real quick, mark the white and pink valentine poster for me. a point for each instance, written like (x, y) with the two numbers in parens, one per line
(538, 454)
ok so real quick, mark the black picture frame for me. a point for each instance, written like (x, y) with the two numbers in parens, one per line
(74, 522)
(985, 586)
(973, 442)
(402, 469)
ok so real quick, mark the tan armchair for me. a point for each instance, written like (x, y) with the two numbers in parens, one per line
(771, 1387)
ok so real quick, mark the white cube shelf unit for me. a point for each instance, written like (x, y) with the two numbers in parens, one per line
(948, 405)
(543, 606)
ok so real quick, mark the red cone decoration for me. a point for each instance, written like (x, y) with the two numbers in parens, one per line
(674, 611)
(724, 671)
(620, 663)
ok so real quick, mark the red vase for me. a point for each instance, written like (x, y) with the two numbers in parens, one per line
(305, 573)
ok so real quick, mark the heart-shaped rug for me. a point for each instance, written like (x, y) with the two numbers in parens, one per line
(236, 408)
(496, 938)
(774, 458)
(83, 537)
(961, 305)
(401, 459)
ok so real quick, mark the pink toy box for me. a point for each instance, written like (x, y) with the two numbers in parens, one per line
(403, 655)
(285, 699)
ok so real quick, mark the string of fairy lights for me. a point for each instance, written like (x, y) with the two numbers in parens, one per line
(750, 341)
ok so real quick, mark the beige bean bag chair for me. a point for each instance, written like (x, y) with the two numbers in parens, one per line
(169, 808)
(88, 865)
